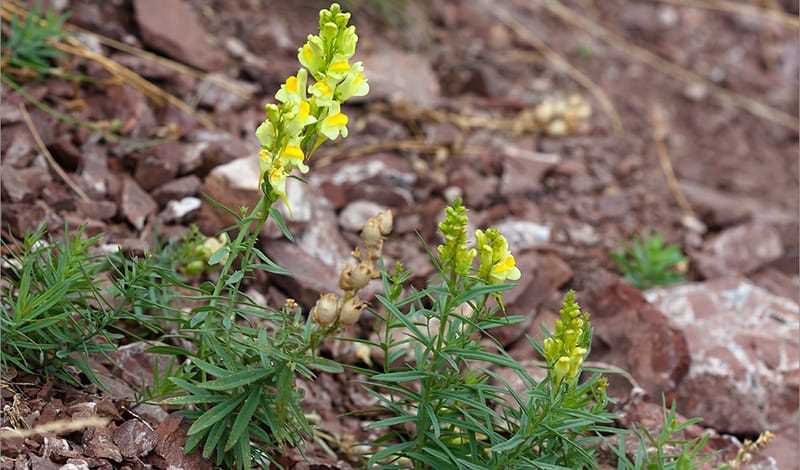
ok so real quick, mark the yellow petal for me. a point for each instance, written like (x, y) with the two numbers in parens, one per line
(341, 66)
(291, 84)
(304, 111)
(293, 152)
(324, 88)
(337, 120)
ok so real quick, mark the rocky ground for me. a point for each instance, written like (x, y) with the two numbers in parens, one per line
(453, 87)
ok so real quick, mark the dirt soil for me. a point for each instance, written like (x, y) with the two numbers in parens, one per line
(451, 82)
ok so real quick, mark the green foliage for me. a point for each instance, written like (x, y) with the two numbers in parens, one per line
(57, 306)
(28, 42)
(462, 414)
(649, 262)
(667, 450)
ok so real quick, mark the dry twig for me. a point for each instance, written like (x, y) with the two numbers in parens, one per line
(48, 156)
(660, 132)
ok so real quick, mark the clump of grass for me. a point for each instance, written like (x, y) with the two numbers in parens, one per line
(61, 304)
(650, 262)
(28, 43)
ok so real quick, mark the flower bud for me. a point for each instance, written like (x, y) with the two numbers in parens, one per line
(355, 277)
(326, 309)
(351, 311)
(561, 368)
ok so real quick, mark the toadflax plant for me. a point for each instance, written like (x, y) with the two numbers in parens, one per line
(444, 403)
(239, 376)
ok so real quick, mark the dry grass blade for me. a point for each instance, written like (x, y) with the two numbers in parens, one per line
(677, 72)
(48, 156)
(126, 75)
(660, 132)
(556, 59)
(740, 9)
(55, 427)
(163, 61)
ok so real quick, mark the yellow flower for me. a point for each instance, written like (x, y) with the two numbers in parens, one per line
(496, 262)
(335, 123)
(354, 84)
(294, 89)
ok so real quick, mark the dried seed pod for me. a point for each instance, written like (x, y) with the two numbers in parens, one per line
(385, 221)
(351, 310)
(557, 128)
(355, 277)
(371, 234)
(326, 309)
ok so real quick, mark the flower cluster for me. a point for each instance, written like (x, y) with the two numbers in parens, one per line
(306, 114)
(454, 254)
(567, 347)
(346, 309)
(496, 263)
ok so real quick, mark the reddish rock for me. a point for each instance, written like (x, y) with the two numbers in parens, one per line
(98, 442)
(632, 334)
(177, 189)
(136, 205)
(420, 87)
(97, 178)
(171, 439)
(134, 439)
(745, 373)
(174, 28)
(739, 250)
(98, 210)
(384, 179)
(160, 167)
(524, 169)
(309, 277)
(25, 184)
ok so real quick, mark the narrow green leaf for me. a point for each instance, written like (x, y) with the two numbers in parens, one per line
(326, 365)
(390, 422)
(244, 417)
(281, 223)
(407, 376)
(219, 255)
(215, 414)
(237, 379)
(235, 277)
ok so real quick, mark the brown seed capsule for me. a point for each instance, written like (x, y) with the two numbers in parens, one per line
(385, 221)
(355, 277)
(351, 311)
(371, 234)
(326, 309)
